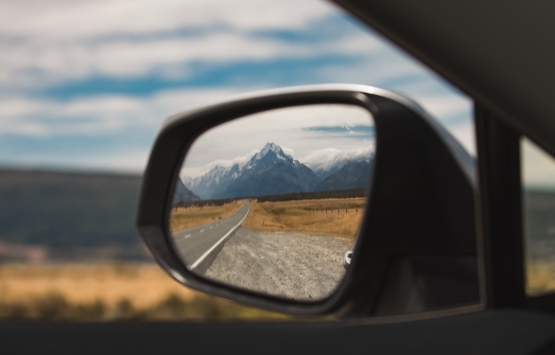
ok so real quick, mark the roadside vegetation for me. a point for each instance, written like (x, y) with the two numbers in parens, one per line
(540, 277)
(88, 292)
(194, 216)
(334, 217)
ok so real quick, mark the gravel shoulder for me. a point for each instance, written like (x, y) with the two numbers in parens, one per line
(286, 264)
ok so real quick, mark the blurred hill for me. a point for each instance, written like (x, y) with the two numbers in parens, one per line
(69, 215)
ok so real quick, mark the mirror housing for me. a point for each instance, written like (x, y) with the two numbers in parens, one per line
(421, 199)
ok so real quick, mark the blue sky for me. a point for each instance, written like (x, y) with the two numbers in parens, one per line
(86, 85)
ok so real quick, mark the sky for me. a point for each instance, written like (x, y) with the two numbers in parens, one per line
(306, 133)
(86, 85)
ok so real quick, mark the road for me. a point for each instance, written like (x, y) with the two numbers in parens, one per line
(199, 246)
(288, 264)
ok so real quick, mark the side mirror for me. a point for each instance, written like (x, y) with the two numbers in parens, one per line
(255, 200)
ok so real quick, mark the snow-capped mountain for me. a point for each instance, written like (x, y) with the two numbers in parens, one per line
(271, 171)
(205, 185)
(268, 172)
(328, 161)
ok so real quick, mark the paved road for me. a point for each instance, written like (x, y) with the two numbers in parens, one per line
(199, 246)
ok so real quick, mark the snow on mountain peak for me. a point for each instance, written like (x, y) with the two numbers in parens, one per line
(326, 161)
(223, 172)
(271, 147)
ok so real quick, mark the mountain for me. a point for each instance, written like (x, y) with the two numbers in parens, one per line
(214, 181)
(68, 209)
(352, 175)
(272, 172)
(267, 172)
(182, 193)
(328, 161)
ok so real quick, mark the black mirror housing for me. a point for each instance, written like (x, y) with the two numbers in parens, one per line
(421, 196)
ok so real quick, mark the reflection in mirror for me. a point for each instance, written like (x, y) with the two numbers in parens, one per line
(272, 202)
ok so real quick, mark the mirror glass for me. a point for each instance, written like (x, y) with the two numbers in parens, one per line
(272, 202)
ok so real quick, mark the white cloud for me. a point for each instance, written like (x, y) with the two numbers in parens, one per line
(288, 151)
(68, 20)
(446, 106)
(61, 41)
(49, 43)
(37, 64)
(99, 114)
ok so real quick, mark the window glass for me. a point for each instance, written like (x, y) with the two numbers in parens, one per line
(84, 87)
(538, 185)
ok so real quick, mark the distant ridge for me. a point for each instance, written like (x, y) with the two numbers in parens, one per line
(64, 210)
(351, 176)
(351, 193)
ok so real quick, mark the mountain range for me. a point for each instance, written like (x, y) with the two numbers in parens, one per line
(273, 172)
(352, 175)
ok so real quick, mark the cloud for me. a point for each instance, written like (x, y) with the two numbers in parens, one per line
(288, 151)
(110, 71)
(97, 115)
(123, 39)
(364, 132)
(325, 159)
(69, 20)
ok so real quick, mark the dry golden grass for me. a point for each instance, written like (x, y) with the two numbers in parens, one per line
(540, 277)
(184, 218)
(142, 284)
(85, 292)
(335, 217)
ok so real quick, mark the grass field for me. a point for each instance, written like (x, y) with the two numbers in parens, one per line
(108, 292)
(183, 218)
(335, 217)
(540, 277)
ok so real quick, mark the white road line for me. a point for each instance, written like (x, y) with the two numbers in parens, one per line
(202, 230)
(210, 227)
(187, 236)
(217, 243)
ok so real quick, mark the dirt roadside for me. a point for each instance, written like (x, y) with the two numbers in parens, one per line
(284, 264)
